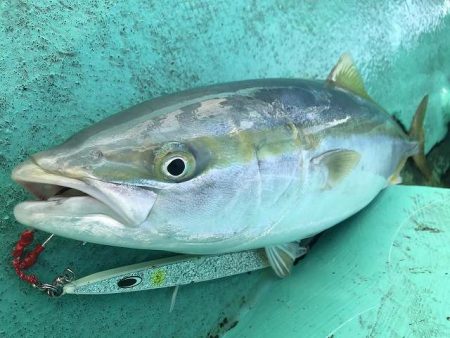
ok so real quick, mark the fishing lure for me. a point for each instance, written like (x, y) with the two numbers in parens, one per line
(166, 272)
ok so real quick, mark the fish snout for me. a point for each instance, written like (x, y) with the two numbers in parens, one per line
(48, 160)
(61, 162)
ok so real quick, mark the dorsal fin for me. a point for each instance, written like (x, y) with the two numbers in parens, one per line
(345, 75)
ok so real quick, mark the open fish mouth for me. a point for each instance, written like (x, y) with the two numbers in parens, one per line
(66, 198)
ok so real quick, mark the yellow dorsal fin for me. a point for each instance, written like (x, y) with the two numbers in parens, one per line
(346, 75)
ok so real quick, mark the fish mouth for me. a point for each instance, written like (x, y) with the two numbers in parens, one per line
(62, 197)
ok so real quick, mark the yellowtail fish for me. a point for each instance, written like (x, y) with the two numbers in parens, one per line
(224, 168)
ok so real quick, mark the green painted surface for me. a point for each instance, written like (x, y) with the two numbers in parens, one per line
(67, 64)
(383, 273)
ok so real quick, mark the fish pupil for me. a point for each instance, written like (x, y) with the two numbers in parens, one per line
(176, 167)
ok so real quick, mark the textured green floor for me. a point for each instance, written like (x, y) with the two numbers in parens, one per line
(66, 64)
(383, 273)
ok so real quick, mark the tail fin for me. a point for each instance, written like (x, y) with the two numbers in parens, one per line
(417, 134)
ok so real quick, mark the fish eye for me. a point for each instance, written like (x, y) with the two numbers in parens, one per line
(175, 162)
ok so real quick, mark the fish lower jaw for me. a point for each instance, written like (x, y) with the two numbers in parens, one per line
(64, 211)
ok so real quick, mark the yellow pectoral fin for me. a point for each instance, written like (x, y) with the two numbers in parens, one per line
(339, 163)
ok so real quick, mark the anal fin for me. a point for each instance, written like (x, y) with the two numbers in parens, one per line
(395, 178)
(281, 257)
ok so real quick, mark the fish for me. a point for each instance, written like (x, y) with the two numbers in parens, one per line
(224, 168)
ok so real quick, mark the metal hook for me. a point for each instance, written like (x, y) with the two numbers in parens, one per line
(48, 239)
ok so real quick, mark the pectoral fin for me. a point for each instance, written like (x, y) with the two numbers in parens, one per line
(346, 75)
(339, 164)
(281, 257)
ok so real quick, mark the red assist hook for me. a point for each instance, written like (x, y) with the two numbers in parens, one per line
(21, 262)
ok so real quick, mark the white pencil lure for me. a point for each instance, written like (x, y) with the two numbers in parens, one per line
(168, 272)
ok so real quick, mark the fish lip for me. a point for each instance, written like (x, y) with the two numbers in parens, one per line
(44, 185)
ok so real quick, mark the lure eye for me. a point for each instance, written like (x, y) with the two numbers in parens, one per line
(175, 162)
(129, 282)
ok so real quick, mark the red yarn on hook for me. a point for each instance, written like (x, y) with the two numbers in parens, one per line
(21, 263)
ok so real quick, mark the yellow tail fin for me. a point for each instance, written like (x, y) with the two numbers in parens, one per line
(416, 132)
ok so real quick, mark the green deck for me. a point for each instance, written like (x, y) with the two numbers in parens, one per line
(383, 273)
(66, 64)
